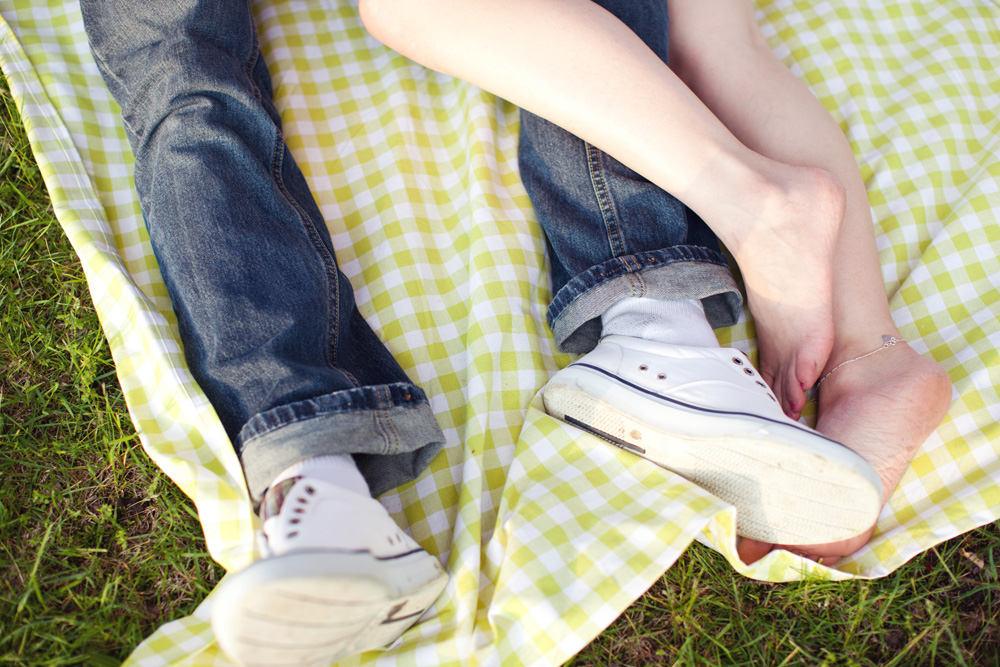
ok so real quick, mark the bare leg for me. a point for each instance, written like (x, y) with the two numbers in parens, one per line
(884, 406)
(575, 64)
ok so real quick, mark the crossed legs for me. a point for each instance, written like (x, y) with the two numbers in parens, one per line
(885, 406)
(731, 133)
(574, 64)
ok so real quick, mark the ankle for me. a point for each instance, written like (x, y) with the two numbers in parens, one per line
(663, 321)
(336, 469)
(848, 348)
(898, 371)
(729, 191)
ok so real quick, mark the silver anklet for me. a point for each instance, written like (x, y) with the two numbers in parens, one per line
(887, 342)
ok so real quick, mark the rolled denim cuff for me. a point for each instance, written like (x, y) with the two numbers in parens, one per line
(389, 429)
(677, 273)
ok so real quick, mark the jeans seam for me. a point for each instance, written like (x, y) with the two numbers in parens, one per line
(631, 282)
(605, 201)
(385, 424)
(332, 284)
(277, 162)
(635, 281)
(254, 54)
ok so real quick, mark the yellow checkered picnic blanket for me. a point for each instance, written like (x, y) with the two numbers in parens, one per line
(547, 535)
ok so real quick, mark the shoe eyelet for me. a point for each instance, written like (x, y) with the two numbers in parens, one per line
(772, 398)
(748, 371)
(661, 376)
(294, 520)
(301, 500)
(761, 384)
(299, 510)
(294, 533)
(737, 361)
(643, 368)
(310, 490)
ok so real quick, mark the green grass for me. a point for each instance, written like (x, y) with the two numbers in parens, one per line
(98, 548)
(939, 609)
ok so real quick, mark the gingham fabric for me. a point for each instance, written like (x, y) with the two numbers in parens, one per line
(548, 534)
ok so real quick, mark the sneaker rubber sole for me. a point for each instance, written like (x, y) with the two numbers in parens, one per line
(316, 607)
(789, 484)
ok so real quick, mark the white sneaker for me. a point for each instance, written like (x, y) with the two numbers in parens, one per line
(337, 577)
(706, 414)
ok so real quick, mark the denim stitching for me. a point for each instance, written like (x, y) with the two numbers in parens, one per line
(604, 201)
(631, 284)
(384, 423)
(597, 275)
(397, 441)
(329, 264)
(318, 414)
(634, 277)
(395, 434)
(332, 285)
(277, 161)
(254, 54)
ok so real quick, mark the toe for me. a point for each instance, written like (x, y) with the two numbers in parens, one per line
(795, 399)
(788, 390)
(751, 551)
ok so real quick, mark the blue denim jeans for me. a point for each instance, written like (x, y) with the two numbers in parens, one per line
(268, 322)
(611, 232)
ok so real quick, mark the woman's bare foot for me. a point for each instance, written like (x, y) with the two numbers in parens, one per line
(883, 407)
(786, 259)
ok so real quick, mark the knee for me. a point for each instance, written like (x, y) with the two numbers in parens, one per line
(385, 20)
(704, 36)
(406, 26)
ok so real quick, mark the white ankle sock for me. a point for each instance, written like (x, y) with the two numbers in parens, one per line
(337, 469)
(672, 322)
